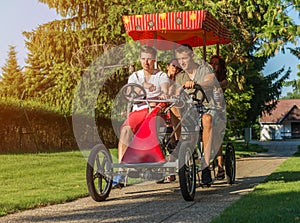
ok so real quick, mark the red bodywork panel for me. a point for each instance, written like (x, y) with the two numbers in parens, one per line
(145, 148)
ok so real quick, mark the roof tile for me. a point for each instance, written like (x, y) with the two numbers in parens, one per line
(283, 107)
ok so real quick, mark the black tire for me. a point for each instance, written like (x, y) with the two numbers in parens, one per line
(99, 173)
(230, 163)
(187, 172)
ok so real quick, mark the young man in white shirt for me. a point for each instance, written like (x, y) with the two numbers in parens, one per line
(156, 84)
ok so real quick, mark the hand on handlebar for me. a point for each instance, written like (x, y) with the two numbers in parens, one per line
(197, 87)
(189, 85)
(163, 96)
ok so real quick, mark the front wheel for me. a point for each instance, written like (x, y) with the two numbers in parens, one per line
(99, 173)
(230, 163)
(187, 172)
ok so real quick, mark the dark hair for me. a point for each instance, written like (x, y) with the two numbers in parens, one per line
(148, 49)
(221, 73)
(174, 62)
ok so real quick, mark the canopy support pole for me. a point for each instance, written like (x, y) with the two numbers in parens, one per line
(154, 46)
(204, 46)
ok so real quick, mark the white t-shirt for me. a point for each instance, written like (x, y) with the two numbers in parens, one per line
(156, 79)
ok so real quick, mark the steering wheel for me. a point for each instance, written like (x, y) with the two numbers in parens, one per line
(198, 88)
(133, 91)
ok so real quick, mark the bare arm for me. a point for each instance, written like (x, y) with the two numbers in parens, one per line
(165, 90)
(209, 81)
(223, 84)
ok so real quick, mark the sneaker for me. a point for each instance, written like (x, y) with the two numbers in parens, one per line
(221, 174)
(170, 178)
(206, 177)
(118, 181)
(161, 181)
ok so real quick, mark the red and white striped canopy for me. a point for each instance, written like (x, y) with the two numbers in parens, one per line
(195, 28)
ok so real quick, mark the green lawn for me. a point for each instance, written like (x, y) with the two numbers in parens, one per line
(275, 200)
(33, 180)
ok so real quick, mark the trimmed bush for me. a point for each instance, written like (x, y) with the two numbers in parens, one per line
(30, 128)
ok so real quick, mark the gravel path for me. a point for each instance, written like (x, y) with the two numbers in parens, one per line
(151, 202)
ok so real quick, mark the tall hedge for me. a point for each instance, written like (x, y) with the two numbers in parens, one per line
(27, 129)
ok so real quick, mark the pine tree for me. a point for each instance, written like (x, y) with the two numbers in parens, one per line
(12, 83)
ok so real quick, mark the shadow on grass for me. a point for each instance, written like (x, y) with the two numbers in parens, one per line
(260, 207)
(297, 154)
(285, 176)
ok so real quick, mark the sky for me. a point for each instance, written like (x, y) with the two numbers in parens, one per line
(17, 16)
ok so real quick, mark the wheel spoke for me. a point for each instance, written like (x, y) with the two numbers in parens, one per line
(133, 91)
(187, 172)
(97, 173)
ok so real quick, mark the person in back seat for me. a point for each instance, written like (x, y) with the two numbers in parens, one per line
(219, 67)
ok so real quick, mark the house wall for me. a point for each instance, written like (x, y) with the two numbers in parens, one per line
(274, 131)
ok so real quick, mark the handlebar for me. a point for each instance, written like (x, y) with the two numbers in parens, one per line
(197, 88)
(170, 100)
(175, 99)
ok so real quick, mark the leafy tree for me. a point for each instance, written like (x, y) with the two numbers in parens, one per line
(12, 83)
(60, 51)
(48, 70)
(265, 27)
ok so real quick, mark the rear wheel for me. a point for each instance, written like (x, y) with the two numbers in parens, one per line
(99, 173)
(230, 163)
(187, 172)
